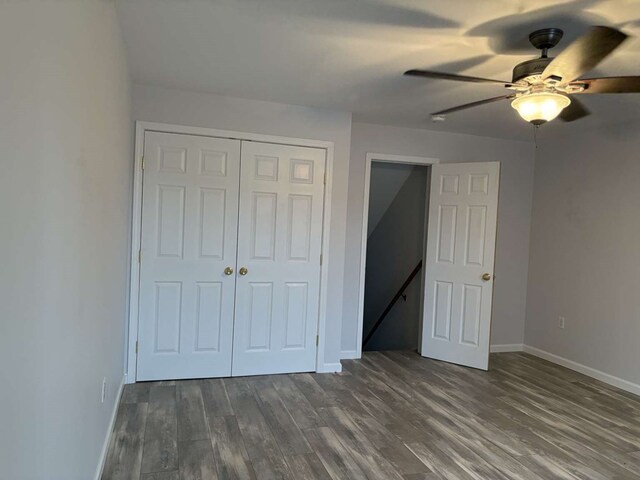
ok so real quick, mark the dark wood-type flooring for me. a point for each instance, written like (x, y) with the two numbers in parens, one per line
(391, 415)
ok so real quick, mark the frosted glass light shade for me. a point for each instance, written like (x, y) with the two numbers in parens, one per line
(540, 107)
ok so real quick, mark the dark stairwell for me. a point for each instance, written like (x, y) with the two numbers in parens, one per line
(394, 250)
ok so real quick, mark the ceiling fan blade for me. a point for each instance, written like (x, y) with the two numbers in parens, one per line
(473, 104)
(452, 76)
(584, 54)
(610, 85)
(575, 111)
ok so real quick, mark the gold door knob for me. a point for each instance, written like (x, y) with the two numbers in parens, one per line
(243, 271)
(486, 277)
(228, 271)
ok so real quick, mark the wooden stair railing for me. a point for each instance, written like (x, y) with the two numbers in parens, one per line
(396, 297)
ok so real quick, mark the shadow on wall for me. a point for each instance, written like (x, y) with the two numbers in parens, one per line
(394, 248)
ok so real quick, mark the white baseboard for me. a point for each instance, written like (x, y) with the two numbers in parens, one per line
(112, 421)
(330, 368)
(349, 355)
(590, 372)
(512, 347)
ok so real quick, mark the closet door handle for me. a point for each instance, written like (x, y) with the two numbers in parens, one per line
(243, 271)
(228, 271)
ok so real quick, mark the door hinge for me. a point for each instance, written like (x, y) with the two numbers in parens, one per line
(140, 256)
(325, 177)
(142, 162)
(136, 347)
(320, 259)
(317, 340)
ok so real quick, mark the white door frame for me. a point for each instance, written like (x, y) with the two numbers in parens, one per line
(383, 158)
(136, 228)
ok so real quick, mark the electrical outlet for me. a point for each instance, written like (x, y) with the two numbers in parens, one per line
(104, 389)
(561, 322)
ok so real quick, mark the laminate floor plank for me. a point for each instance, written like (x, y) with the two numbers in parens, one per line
(215, 398)
(174, 475)
(546, 468)
(136, 393)
(192, 424)
(282, 425)
(307, 466)
(125, 451)
(303, 413)
(160, 451)
(482, 460)
(388, 416)
(335, 458)
(232, 459)
(404, 460)
(196, 460)
(439, 461)
(423, 476)
(261, 445)
(364, 453)
(316, 395)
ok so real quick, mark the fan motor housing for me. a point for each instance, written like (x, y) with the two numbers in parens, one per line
(546, 38)
(530, 68)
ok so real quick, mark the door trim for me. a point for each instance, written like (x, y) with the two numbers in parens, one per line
(385, 158)
(136, 229)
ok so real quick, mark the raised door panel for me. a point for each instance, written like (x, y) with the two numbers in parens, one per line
(213, 162)
(258, 331)
(296, 315)
(446, 235)
(471, 314)
(299, 227)
(209, 306)
(166, 314)
(189, 237)
(279, 243)
(211, 222)
(475, 235)
(442, 298)
(264, 211)
(170, 233)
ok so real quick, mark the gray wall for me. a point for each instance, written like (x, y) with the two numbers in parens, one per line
(214, 111)
(385, 182)
(514, 215)
(394, 248)
(65, 200)
(585, 250)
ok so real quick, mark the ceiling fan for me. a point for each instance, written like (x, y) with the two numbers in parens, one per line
(543, 88)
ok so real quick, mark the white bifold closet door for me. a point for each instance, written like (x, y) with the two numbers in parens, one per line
(230, 259)
(279, 244)
(189, 234)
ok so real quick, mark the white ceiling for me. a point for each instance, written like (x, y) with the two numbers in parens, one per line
(350, 54)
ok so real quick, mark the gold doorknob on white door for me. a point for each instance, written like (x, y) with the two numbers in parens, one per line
(243, 271)
(228, 271)
(486, 277)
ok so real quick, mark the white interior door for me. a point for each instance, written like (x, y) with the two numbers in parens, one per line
(461, 240)
(279, 245)
(189, 230)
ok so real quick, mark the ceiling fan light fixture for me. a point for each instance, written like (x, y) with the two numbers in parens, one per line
(540, 107)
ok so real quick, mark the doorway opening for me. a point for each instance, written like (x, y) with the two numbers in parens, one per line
(395, 246)
(455, 278)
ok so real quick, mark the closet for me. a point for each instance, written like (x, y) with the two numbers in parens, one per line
(230, 257)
